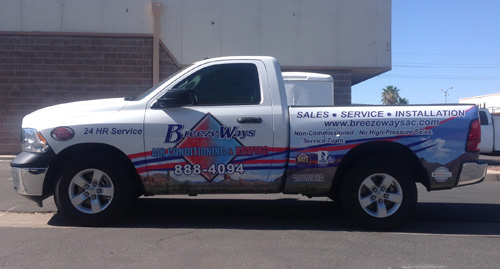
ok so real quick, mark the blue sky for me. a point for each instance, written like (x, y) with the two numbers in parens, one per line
(436, 45)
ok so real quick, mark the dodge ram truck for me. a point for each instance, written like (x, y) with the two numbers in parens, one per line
(224, 125)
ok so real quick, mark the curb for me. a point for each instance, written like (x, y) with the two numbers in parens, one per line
(7, 157)
(492, 176)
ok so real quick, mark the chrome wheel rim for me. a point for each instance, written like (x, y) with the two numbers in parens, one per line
(91, 191)
(380, 195)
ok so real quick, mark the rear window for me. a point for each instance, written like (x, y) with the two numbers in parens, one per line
(483, 117)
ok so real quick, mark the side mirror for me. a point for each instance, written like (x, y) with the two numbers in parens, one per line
(175, 98)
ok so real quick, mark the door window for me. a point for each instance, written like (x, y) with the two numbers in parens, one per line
(225, 84)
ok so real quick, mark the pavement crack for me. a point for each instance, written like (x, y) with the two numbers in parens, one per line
(158, 242)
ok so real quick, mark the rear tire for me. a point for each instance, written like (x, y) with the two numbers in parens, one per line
(93, 190)
(379, 194)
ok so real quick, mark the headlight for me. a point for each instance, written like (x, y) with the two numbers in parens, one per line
(33, 141)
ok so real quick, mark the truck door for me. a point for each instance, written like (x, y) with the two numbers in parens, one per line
(223, 142)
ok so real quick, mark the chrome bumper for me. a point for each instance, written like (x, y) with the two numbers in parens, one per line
(28, 181)
(472, 173)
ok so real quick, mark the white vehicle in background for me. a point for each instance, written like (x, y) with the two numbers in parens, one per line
(490, 132)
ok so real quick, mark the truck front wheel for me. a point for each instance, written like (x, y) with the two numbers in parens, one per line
(379, 194)
(92, 190)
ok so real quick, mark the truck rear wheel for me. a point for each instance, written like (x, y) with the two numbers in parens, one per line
(93, 190)
(379, 194)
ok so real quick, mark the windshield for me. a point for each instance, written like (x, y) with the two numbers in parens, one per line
(152, 89)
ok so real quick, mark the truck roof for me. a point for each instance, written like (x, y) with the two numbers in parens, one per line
(228, 58)
(306, 76)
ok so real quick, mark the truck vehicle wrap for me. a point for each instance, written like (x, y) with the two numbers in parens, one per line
(223, 125)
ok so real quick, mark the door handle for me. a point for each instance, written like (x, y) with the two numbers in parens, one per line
(249, 120)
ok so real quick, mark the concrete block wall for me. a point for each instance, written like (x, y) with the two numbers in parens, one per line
(41, 70)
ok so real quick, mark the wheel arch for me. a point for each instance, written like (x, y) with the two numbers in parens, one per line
(381, 149)
(64, 156)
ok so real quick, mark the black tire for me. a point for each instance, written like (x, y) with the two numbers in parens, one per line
(379, 194)
(93, 190)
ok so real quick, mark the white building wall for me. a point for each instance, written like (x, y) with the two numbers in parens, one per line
(490, 101)
(300, 33)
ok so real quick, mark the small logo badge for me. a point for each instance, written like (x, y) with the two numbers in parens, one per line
(62, 133)
(302, 159)
(441, 175)
(331, 159)
(322, 157)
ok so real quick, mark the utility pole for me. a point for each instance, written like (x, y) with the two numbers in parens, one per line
(446, 94)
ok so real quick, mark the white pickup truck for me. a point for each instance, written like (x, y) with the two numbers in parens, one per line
(223, 125)
(490, 132)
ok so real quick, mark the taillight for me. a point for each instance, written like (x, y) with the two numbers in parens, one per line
(474, 137)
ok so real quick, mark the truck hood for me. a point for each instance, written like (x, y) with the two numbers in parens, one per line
(74, 110)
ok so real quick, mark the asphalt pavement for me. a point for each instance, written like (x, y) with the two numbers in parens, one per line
(458, 228)
(493, 167)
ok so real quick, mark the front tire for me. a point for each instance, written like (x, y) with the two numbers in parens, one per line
(379, 194)
(93, 190)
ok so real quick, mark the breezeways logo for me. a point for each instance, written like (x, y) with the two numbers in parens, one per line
(208, 135)
(175, 134)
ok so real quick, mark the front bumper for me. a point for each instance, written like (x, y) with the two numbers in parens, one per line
(472, 173)
(28, 174)
(29, 182)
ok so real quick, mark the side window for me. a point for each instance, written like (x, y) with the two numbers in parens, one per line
(483, 118)
(224, 84)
